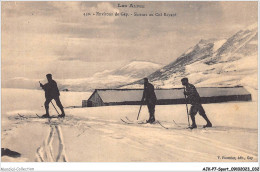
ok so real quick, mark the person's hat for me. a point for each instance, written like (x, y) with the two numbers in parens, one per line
(48, 75)
(184, 79)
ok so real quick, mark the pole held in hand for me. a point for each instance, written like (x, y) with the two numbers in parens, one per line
(140, 109)
(55, 108)
(187, 108)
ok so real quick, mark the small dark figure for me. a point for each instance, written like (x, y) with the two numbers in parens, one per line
(51, 92)
(10, 153)
(194, 99)
(150, 99)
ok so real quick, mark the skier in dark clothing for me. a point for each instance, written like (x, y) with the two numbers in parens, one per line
(150, 99)
(194, 99)
(51, 92)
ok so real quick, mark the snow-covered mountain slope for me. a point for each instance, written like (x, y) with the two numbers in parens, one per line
(213, 62)
(237, 46)
(137, 69)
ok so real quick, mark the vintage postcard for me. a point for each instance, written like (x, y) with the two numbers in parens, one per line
(129, 81)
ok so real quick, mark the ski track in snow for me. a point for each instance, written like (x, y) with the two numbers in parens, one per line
(45, 152)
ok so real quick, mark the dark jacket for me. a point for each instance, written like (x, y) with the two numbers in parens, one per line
(51, 89)
(192, 94)
(149, 94)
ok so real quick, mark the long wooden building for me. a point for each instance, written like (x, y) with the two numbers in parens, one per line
(109, 97)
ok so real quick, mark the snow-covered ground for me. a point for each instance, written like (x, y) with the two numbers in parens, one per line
(98, 135)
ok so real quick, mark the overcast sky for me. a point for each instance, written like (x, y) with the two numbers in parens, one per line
(55, 37)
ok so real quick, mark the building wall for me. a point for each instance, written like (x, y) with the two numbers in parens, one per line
(93, 101)
(84, 103)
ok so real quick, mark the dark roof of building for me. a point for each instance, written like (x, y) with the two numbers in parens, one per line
(122, 95)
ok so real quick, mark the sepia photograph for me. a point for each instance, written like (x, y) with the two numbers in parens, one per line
(129, 81)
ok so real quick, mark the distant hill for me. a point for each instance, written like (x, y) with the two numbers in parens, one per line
(106, 79)
(112, 78)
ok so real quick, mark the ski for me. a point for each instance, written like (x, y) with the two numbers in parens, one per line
(190, 128)
(22, 116)
(37, 116)
(162, 125)
(50, 117)
(181, 127)
(126, 121)
(178, 127)
(26, 117)
(129, 122)
(170, 128)
(46, 117)
(176, 123)
(144, 122)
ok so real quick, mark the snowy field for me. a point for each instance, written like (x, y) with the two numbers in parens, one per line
(97, 134)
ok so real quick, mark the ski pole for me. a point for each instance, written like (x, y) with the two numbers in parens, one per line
(139, 110)
(55, 108)
(187, 108)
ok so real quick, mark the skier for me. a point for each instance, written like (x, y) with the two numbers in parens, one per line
(150, 99)
(194, 99)
(51, 92)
